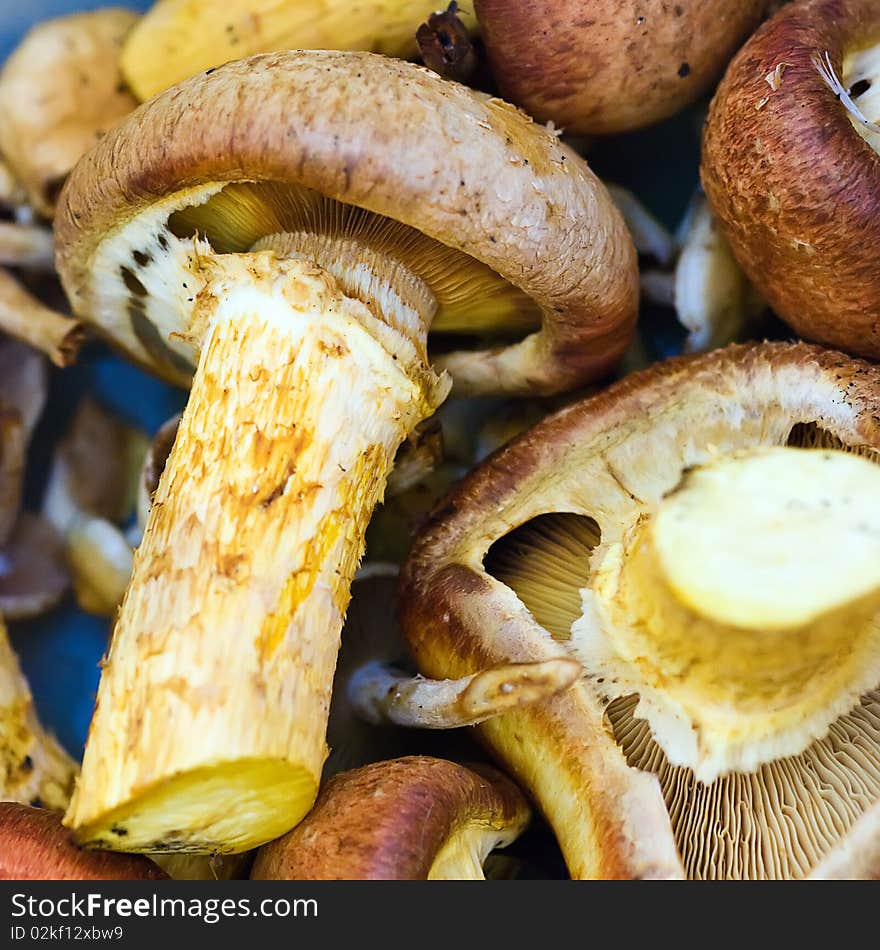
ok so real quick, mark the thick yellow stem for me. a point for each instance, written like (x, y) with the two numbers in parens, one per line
(209, 730)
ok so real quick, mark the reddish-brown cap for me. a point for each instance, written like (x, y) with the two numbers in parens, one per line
(395, 820)
(795, 187)
(34, 846)
(609, 66)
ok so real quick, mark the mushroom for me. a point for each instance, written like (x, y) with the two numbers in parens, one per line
(609, 66)
(27, 318)
(34, 768)
(791, 169)
(178, 38)
(35, 846)
(92, 489)
(26, 245)
(409, 819)
(712, 297)
(279, 241)
(32, 574)
(373, 692)
(703, 536)
(60, 91)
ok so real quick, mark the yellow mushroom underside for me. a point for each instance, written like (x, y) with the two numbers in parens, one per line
(471, 297)
(776, 821)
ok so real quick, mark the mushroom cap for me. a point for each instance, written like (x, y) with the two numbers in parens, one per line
(610, 66)
(60, 91)
(608, 459)
(392, 820)
(471, 173)
(34, 846)
(795, 187)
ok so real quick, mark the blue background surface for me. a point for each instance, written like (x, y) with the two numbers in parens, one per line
(60, 652)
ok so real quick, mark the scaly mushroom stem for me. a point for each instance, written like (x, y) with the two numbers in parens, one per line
(23, 245)
(27, 319)
(383, 695)
(34, 769)
(209, 729)
(746, 644)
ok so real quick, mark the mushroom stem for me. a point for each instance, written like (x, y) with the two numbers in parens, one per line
(23, 245)
(29, 320)
(229, 630)
(743, 643)
(34, 769)
(384, 696)
(11, 192)
(100, 559)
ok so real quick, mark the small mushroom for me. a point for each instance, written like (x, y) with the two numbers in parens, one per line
(28, 319)
(33, 570)
(408, 819)
(712, 297)
(178, 38)
(32, 574)
(60, 91)
(609, 66)
(34, 768)
(372, 692)
(703, 536)
(791, 168)
(35, 846)
(279, 241)
(91, 491)
(26, 245)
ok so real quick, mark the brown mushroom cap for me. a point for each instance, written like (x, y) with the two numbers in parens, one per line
(610, 66)
(574, 482)
(526, 231)
(414, 818)
(34, 846)
(60, 91)
(794, 185)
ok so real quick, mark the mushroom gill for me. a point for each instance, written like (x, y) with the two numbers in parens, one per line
(773, 823)
(546, 562)
(471, 298)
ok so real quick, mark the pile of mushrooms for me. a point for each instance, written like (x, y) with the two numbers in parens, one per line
(443, 549)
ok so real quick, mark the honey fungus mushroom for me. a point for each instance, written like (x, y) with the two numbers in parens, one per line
(60, 91)
(297, 247)
(609, 66)
(178, 38)
(791, 168)
(704, 537)
(412, 818)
